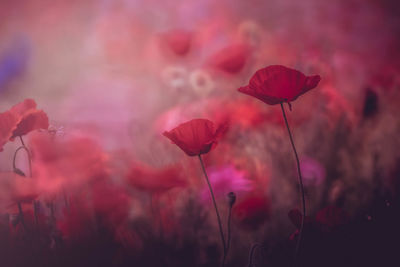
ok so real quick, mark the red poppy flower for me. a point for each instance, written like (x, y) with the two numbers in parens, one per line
(15, 188)
(145, 178)
(77, 222)
(231, 59)
(276, 84)
(252, 212)
(20, 120)
(196, 137)
(110, 202)
(179, 41)
(29, 118)
(64, 163)
(8, 120)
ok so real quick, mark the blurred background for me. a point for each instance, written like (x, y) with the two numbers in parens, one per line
(120, 72)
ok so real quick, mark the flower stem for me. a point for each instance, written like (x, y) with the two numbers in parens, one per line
(215, 207)
(229, 235)
(21, 216)
(301, 187)
(251, 253)
(28, 153)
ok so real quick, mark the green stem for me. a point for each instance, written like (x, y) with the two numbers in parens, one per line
(301, 187)
(215, 207)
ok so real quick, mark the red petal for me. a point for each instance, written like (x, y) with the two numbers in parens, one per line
(35, 120)
(231, 59)
(179, 41)
(194, 137)
(276, 84)
(8, 122)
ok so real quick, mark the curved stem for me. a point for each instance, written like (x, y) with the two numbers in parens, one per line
(29, 156)
(15, 156)
(28, 153)
(21, 213)
(301, 187)
(251, 254)
(215, 207)
(229, 235)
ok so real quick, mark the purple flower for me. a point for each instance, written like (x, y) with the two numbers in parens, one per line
(313, 171)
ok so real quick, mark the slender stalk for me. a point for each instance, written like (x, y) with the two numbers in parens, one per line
(29, 156)
(301, 187)
(21, 216)
(21, 213)
(65, 199)
(215, 207)
(251, 253)
(28, 153)
(229, 235)
(15, 155)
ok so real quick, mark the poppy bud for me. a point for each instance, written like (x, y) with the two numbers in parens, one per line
(231, 198)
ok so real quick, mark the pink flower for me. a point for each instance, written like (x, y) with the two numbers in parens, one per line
(313, 172)
(226, 179)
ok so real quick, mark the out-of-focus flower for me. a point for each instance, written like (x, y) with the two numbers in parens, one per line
(336, 105)
(14, 61)
(78, 221)
(252, 211)
(244, 112)
(175, 77)
(225, 179)
(70, 162)
(326, 220)
(8, 121)
(331, 217)
(15, 188)
(276, 84)
(295, 217)
(179, 41)
(29, 118)
(201, 82)
(110, 202)
(197, 136)
(146, 178)
(231, 59)
(20, 120)
(313, 172)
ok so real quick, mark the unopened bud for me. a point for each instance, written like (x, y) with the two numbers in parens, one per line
(231, 198)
